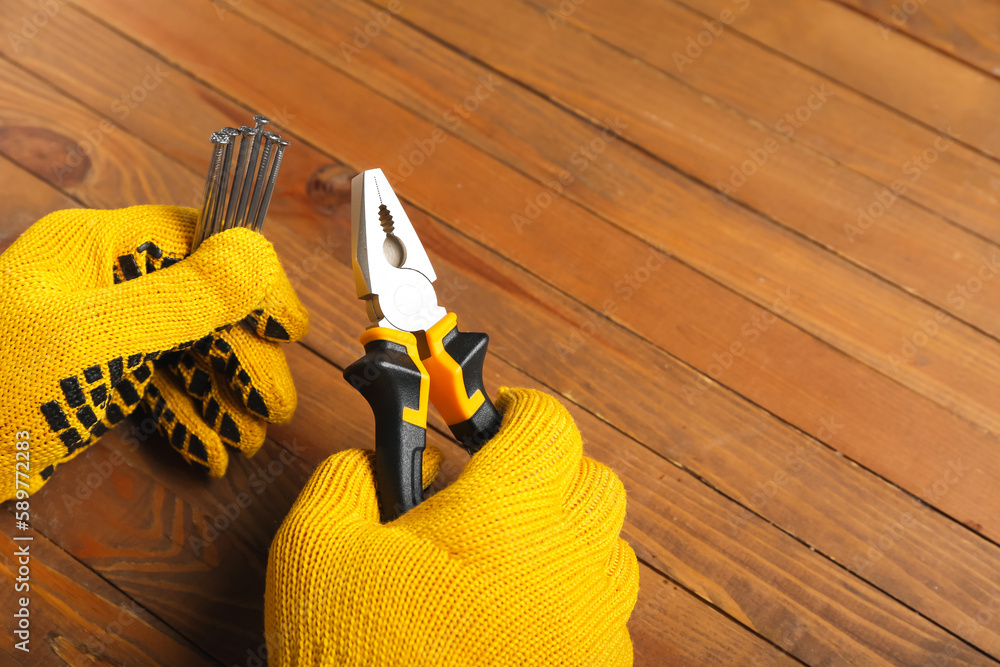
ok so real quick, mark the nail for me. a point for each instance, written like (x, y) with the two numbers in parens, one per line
(265, 203)
(218, 220)
(258, 189)
(246, 138)
(247, 185)
(215, 167)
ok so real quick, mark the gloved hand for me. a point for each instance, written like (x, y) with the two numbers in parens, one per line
(518, 562)
(82, 325)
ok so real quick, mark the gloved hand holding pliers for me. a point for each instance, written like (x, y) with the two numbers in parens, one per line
(518, 562)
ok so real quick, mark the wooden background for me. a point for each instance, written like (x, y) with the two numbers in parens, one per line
(752, 244)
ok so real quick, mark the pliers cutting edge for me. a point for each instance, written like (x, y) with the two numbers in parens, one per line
(414, 352)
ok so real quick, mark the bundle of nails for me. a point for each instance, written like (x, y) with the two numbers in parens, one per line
(243, 200)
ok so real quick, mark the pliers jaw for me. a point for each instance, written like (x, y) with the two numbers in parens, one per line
(392, 272)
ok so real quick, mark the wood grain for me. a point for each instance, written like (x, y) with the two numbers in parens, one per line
(76, 618)
(742, 251)
(762, 542)
(915, 80)
(143, 543)
(824, 208)
(192, 551)
(615, 256)
(748, 490)
(24, 199)
(968, 30)
(180, 575)
(189, 546)
(959, 184)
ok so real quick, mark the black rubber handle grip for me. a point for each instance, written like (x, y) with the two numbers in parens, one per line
(469, 350)
(389, 380)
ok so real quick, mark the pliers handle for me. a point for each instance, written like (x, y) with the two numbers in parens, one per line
(400, 373)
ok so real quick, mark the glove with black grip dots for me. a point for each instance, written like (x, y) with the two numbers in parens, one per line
(103, 313)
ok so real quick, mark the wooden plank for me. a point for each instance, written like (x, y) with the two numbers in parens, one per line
(746, 253)
(636, 399)
(823, 206)
(133, 566)
(153, 512)
(24, 199)
(766, 378)
(707, 634)
(756, 260)
(691, 633)
(77, 149)
(912, 78)
(75, 616)
(968, 30)
(153, 544)
(960, 184)
(791, 480)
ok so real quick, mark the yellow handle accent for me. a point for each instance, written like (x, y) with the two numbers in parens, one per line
(416, 417)
(448, 391)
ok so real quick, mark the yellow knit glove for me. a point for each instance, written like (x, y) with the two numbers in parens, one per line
(83, 329)
(518, 562)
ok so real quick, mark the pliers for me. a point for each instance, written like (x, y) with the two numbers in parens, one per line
(414, 352)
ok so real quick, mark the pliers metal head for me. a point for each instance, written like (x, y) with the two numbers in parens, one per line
(414, 352)
(392, 272)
